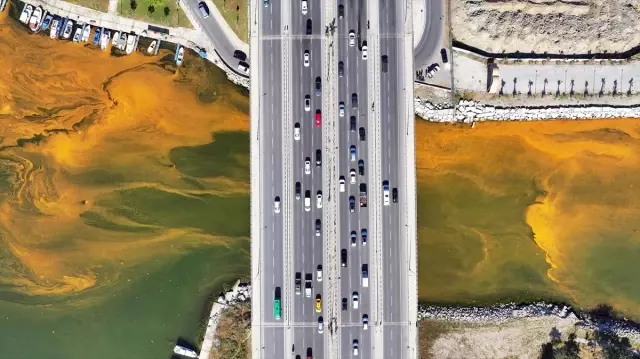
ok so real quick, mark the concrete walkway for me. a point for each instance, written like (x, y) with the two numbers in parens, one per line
(113, 6)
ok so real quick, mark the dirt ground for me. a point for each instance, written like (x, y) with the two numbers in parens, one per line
(554, 26)
(233, 333)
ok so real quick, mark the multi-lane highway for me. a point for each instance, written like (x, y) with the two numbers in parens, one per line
(329, 125)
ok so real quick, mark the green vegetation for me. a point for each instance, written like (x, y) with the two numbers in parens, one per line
(100, 5)
(227, 156)
(220, 215)
(161, 12)
(235, 13)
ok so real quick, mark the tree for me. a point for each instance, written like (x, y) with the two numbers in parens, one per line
(134, 5)
(166, 11)
(151, 9)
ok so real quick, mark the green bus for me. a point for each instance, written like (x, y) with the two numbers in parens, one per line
(276, 308)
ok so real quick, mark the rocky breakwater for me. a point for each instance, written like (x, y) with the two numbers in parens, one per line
(507, 312)
(467, 111)
(239, 293)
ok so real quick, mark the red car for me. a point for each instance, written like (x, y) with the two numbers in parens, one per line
(318, 118)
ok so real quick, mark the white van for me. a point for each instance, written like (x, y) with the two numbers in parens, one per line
(243, 67)
(365, 278)
(307, 201)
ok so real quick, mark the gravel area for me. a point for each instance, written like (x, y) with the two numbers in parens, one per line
(555, 26)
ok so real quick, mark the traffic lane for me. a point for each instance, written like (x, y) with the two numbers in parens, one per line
(275, 347)
(314, 13)
(432, 37)
(271, 19)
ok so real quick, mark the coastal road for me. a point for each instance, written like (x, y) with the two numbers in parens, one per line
(267, 181)
(427, 50)
(354, 81)
(396, 113)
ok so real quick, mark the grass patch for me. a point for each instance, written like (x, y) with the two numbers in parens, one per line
(100, 5)
(235, 13)
(221, 215)
(234, 333)
(165, 12)
(428, 333)
(226, 156)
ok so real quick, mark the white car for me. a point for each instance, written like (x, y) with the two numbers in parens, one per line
(365, 321)
(296, 131)
(319, 273)
(352, 38)
(306, 58)
(276, 205)
(307, 201)
(352, 175)
(304, 7)
(356, 346)
(356, 299)
(342, 182)
(341, 109)
(307, 166)
(307, 103)
(364, 51)
(320, 326)
(319, 199)
(385, 192)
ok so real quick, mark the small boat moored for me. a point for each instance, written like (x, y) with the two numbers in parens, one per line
(3, 4)
(131, 42)
(116, 38)
(26, 13)
(53, 33)
(180, 56)
(46, 22)
(180, 350)
(96, 36)
(106, 36)
(86, 32)
(34, 21)
(152, 47)
(77, 36)
(68, 29)
(123, 41)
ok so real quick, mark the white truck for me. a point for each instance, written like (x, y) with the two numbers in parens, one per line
(307, 284)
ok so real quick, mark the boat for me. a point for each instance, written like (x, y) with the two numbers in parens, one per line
(123, 41)
(180, 350)
(180, 56)
(3, 4)
(68, 29)
(34, 21)
(86, 32)
(106, 36)
(77, 36)
(46, 22)
(26, 13)
(96, 36)
(152, 47)
(131, 42)
(116, 38)
(53, 33)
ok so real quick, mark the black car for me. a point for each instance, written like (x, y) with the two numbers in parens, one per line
(298, 189)
(343, 257)
(443, 54)
(362, 134)
(308, 26)
(352, 123)
(318, 226)
(385, 63)
(354, 100)
(394, 195)
(318, 86)
(363, 234)
(352, 204)
(340, 68)
(240, 55)
(318, 157)
(345, 305)
(361, 167)
(340, 11)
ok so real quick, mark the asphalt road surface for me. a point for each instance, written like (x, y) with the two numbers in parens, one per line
(426, 52)
(271, 171)
(353, 81)
(218, 37)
